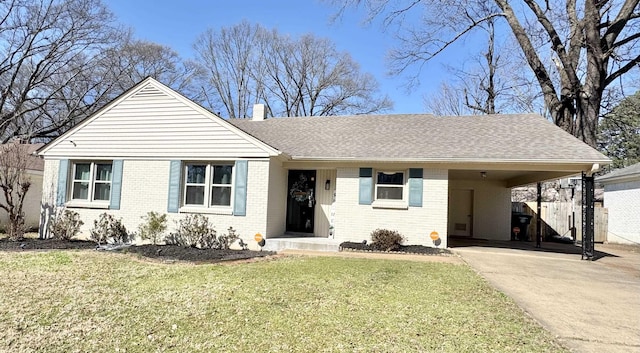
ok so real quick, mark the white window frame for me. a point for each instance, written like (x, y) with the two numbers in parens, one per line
(208, 185)
(391, 203)
(90, 201)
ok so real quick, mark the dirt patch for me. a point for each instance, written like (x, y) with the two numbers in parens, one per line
(404, 249)
(163, 253)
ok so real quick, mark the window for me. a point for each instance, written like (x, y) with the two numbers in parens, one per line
(91, 181)
(389, 186)
(208, 185)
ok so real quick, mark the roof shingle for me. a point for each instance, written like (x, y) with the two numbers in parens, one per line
(422, 137)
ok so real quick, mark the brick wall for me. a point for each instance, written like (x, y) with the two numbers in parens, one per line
(145, 188)
(356, 222)
(491, 208)
(623, 202)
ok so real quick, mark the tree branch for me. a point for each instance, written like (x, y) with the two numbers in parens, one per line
(556, 42)
(621, 71)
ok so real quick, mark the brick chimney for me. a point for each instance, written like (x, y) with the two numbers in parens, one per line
(259, 112)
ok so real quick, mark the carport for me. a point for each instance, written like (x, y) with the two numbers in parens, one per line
(480, 201)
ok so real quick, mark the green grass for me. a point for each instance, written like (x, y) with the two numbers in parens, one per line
(66, 301)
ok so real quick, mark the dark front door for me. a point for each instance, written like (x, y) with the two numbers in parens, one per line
(301, 200)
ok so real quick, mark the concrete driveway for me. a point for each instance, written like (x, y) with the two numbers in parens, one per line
(589, 306)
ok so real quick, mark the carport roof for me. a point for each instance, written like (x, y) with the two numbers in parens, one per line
(423, 137)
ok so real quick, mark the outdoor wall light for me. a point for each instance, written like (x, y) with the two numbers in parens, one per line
(483, 175)
(327, 185)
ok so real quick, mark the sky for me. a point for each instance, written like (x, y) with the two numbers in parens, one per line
(177, 24)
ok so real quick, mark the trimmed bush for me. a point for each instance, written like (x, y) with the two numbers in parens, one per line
(197, 232)
(192, 231)
(65, 224)
(109, 229)
(225, 240)
(154, 226)
(386, 240)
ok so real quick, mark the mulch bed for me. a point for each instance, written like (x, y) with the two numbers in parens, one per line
(404, 249)
(45, 244)
(164, 253)
(171, 253)
(179, 253)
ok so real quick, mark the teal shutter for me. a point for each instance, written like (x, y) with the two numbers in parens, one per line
(173, 203)
(366, 186)
(240, 192)
(63, 172)
(116, 184)
(415, 187)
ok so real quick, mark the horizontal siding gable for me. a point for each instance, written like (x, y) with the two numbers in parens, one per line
(154, 123)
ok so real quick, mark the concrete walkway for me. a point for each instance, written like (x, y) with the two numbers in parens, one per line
(589, 306)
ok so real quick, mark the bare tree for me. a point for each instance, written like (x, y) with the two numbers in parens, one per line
(132, 60)
(592, 44)
(228, 57)
(47, 46)
(15, 184)
(449, 100)
(305, 76)
(489, 83)
(64, 59)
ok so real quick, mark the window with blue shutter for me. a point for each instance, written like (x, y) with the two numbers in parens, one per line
(88, 184)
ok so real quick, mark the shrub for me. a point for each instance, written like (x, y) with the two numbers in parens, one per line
(65, 224)
(386, 240)
(154, 225)
(192, 231)
(108, 228)
(225, 240)
(197, 232)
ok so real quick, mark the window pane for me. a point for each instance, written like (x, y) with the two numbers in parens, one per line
(103, 172)
(82, 171)
(221, 196)
(195, 195)
(389, 193)
(102, 191)
(222, 174)
(81, 190)
(196, 174)
(390, 178)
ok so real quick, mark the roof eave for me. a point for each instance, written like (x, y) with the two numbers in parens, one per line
(451, 160)
(618, 178)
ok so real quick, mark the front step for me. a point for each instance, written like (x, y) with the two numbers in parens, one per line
(308, 243)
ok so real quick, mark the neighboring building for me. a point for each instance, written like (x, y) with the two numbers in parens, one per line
(622, 198)
(152, 149)
(31, 207)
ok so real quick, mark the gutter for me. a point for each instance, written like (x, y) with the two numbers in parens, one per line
(595, 163)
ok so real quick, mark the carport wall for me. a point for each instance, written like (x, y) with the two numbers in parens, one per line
(355, 222)
(491, 207)
(145, 186)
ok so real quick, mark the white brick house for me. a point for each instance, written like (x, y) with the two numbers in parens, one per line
(622, 198)
(152, 149)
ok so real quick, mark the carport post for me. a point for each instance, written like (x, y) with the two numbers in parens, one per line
(587, 217)
(538, 218)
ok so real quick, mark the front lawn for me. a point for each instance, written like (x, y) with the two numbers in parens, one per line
(87, 301)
